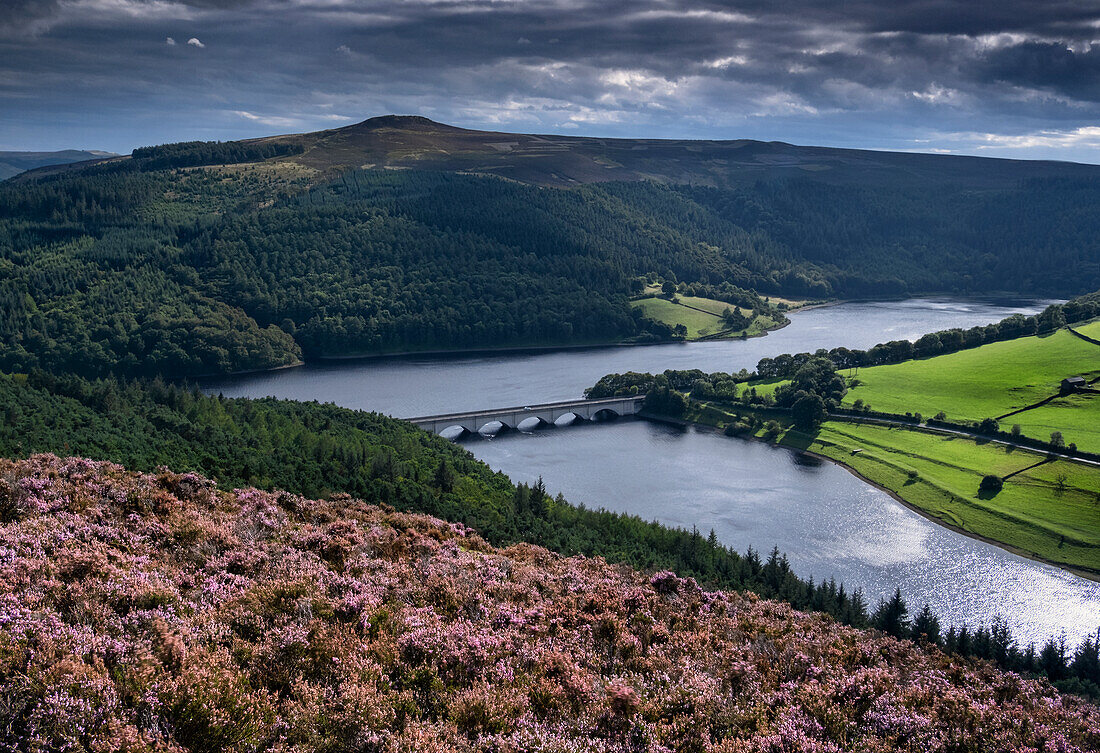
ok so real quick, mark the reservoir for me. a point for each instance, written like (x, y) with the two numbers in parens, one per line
(828, 523)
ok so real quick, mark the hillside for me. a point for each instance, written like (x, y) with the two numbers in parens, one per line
(154, 612)
(13, 163)
(396, 235)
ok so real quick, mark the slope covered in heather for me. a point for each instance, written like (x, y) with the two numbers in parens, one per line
(153, 612)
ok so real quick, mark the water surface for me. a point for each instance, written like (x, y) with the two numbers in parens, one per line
(422, 385)
(829, 523)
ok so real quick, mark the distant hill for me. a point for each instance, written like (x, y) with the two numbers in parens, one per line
(401, 234)
(414, 142)
(417, 143)
(13, 163)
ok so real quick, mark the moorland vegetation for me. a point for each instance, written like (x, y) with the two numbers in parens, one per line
(154, 612)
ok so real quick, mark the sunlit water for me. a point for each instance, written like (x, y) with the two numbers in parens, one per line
(828, 522)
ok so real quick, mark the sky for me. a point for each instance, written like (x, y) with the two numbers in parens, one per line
(1004, 78)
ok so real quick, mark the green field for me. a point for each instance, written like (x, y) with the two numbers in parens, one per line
(701, 316)
(1092, 329)
(662, 310)
(1050, 511)
(993, 380)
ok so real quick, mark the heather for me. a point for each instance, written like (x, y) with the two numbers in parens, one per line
(157, 612)
(317, 450)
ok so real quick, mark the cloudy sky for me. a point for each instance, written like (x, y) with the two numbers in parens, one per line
(1015, 78)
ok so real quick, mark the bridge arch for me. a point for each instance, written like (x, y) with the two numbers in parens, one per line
(531, 423)
(529, 416)
(449, 431)
(486, 427)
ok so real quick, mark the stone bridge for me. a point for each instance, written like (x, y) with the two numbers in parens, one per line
(547, 413)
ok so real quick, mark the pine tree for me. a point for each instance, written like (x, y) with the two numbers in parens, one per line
(891, 617)
(926, 627)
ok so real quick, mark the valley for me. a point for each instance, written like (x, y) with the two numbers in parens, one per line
(470, 376)
(204, 260)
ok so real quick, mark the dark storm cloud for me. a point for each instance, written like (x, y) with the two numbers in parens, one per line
(1050, 65)
(883, 73)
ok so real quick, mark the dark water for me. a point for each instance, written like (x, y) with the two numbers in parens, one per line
(828, 522)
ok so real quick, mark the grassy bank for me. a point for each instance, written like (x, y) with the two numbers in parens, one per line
(994, 380)
(702, 317)
(1049, 510)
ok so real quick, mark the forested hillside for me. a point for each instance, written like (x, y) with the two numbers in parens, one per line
(173, 262)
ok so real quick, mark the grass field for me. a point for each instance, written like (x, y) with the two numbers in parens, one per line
(1051, 511)
(698, 323)
(701, 316)
(993, 380)
(1092, 329)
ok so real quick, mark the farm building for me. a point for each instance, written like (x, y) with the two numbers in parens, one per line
(1074, 383)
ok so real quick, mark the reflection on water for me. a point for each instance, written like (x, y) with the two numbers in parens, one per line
(828, 522)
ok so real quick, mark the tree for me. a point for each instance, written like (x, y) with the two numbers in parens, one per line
(1052, 659)
(445, 476)
(1057, 440)
(988, 426)
(1016, 431)
(926, 626)
(668, 287)
(1050, 319)
(808, 412)
(991, 484)
(817, 376)
(891, 617)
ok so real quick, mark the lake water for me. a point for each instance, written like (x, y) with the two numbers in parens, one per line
(828, 522)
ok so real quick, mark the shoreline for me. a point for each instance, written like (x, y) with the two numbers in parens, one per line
(1085, 574)
(562, 348)
(501, 350)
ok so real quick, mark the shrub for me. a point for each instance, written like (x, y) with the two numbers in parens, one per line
(991, 483)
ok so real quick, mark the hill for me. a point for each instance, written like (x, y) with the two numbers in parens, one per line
(154, 612)
(412, 142)
(400, 234)
(13, 163)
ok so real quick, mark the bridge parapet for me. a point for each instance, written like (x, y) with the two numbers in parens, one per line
(549, 413)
